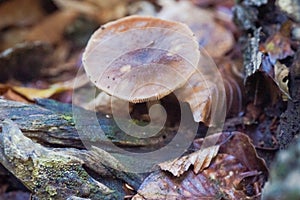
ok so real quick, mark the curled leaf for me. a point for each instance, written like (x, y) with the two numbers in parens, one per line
(219, 181)
(205, 93)
(240, 146)
(199, 159)
(234, 171)
(281, 78)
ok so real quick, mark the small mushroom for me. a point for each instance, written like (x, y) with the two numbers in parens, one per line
(141, 59)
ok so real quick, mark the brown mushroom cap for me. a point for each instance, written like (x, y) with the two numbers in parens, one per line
(141, 58)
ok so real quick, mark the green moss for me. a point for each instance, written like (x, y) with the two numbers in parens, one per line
(68, 118)
(51, 190)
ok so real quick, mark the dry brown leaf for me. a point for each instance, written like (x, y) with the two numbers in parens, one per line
(103, 11)
(261, 87)
(234, 172)
(198, 94)
(281, 78)
(220, 181)
(240, 146)
(213, 37)
(52, 28)
(11, 37)
(20, 12)
(18, 93)
(7, 93)
(33, 93)
(205, 93)
(12, 95)
(200, 159)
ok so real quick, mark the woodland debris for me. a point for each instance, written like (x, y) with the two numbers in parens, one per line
(47, 173)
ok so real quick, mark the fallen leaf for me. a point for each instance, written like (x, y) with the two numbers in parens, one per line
(205, 93)
(200, 159)
(52, 28)
(26, 94)
(262, 133)
(259, 80)
(219, 181)
(102, 11)
(213, 37)
(198, 94)
(11, 37)
(33, 93)
(282, 80)
(7, 93)
(20, 12)
(240, 146)
(11, 95)
(235, 173)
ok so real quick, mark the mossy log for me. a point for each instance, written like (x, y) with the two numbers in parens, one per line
(51, 123)
(50, 173)
(40, 146)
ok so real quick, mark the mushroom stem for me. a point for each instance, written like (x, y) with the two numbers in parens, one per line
(157, 113)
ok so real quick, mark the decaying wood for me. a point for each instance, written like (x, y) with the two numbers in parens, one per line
(46, 172)
(51, 123)
(37, 146)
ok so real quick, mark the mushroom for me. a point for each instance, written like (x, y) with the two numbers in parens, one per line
(141, 59)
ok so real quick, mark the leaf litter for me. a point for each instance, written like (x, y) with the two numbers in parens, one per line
(230, 169)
